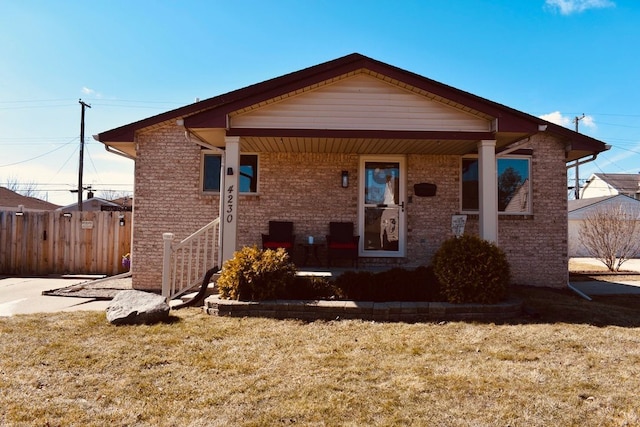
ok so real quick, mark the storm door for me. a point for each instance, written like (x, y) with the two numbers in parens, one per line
(382, 206)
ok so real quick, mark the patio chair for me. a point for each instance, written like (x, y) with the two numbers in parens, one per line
(341, 243)
(280, 236)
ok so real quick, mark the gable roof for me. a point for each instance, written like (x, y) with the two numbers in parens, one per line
(576, 207)
(88, 204)
(12, 200)
(626, 183)
(510, 125)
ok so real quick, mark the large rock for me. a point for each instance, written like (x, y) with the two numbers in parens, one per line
(137, 307)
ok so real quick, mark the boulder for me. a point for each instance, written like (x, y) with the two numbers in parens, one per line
(137, 307)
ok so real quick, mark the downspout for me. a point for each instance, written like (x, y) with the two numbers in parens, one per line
(607, 147)
(578, 291)
(110, 149)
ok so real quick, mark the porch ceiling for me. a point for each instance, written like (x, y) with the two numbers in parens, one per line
(366, 142)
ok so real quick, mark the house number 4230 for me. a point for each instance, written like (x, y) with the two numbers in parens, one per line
(230, 204)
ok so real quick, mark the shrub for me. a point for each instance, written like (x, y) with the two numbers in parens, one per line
(397, 284)
(254, 274)
(471, 270)
(312, 287)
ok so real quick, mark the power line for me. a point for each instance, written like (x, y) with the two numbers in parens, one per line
(37, 157)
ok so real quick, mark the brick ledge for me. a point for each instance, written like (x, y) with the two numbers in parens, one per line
(365, 310)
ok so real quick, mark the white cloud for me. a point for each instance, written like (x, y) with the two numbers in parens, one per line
(567, 7)
(557, 118)
(89, 91)
(569, 122)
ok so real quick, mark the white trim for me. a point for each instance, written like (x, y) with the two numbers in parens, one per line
(220, 154)
(229, 198)
(488, 190)
(498, 159)
(402, 226)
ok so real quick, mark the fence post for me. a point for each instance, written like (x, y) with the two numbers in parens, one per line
(166, 264)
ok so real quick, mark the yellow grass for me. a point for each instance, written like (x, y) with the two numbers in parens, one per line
(551, 369)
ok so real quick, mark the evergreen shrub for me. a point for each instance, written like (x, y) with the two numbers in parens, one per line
(254, 274)
(471, 270)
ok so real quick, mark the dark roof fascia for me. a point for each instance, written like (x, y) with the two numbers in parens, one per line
(509, 120)
(213, 112)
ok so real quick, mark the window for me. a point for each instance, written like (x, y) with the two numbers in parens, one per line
(248, 172)
(514, 185)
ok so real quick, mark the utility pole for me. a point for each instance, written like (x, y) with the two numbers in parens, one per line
(83, 105)
(576, 120)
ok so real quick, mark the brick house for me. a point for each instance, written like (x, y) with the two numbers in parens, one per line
(281, 149)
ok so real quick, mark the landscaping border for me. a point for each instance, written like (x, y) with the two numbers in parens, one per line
(365, 310)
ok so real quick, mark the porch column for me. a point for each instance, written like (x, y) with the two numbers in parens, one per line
(229, 197)
(488, 190)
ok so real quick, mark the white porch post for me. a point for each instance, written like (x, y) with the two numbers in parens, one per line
(229, 197)
(488, 190)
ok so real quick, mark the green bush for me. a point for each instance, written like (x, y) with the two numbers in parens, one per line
(253, 274)
(471, 270)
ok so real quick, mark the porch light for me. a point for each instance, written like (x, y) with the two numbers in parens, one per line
(345, 179)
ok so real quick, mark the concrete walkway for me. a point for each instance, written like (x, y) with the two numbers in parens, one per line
(608, 287)
(23, 295)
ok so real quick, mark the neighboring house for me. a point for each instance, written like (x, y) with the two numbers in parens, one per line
(611, 184)
(12, 201)
(92, 204)
(581, 208)
(124, 203)
(356, 140)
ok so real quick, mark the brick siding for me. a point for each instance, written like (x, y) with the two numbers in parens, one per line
(305, 188)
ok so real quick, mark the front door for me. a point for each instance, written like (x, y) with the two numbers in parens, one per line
(382, 209)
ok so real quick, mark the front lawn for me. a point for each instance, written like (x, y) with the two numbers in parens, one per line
(567, 362)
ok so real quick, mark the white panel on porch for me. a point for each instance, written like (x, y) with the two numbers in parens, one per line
(361, 102)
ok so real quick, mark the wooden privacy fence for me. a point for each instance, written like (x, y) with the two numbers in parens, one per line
(42, 243)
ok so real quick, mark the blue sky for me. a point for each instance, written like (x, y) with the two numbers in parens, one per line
(136, 58)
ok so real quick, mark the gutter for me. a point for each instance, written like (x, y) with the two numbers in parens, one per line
(195, 139)
(594, 156)
(110, 149)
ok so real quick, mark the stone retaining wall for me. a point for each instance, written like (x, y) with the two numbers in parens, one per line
(365, 310)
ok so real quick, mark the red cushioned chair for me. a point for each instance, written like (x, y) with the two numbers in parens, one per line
(280, 236)
(341, 243)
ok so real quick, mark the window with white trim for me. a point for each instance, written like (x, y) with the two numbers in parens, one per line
(514, 185)
(211, 163)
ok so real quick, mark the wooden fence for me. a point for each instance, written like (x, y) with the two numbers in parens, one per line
(42, 243)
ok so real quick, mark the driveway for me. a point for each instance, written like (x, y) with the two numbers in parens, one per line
(23, 295)
(609, 284)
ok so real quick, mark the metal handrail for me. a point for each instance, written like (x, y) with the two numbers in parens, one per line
(185, 263)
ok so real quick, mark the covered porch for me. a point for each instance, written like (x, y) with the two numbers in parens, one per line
(352, 140)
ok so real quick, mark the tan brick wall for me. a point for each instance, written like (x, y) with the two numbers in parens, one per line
(167, 199)
(536, 245)
(429, 218)
(305, 188)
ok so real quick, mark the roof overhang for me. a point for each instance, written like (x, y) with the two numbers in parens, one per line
(210, 120)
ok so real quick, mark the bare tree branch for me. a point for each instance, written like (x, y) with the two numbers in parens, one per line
(612, 235)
